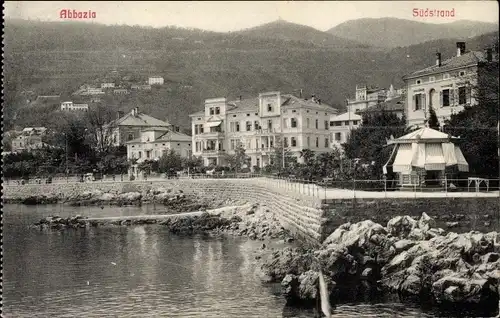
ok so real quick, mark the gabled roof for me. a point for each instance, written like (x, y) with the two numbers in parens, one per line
(247, 104)
(140, 119)
(346, 116)
(252, 104)
(422, 135)
(392, 105)
(291, 100)
(168, 136)
(467, 59)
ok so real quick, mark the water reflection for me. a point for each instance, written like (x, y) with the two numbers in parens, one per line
(72, 273)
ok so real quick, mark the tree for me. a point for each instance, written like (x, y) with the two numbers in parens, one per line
(367, 144)
(170, 161)
(99, 121)
(477, 125)
(280, 156)
(432, 121)
(238, 159)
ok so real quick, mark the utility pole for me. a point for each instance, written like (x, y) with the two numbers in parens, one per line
(66, 148)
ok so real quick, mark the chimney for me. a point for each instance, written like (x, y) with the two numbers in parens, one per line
(489, 54)
(240, 97)
(319, 101)
(460, 48)
(301, 93)
(438, 59)
(133, 112)
(313, 98)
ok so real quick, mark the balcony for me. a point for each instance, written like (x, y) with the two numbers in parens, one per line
(212, 134)
(266, 131)
(213, 152)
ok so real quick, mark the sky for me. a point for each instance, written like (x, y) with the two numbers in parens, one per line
(233, 16)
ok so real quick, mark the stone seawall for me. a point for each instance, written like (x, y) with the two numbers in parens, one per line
(308, 217)
(461, 213)
(301, 215)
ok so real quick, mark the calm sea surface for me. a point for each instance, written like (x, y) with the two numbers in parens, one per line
(140, 271)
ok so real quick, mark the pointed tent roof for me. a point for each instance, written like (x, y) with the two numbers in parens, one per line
(422, 135)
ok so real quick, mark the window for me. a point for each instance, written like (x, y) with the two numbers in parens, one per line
(269, 107)
(462, 73)
(248, 115)
(237, 126)
(432, 79)
(307, 122)
(327, 144)
(326, 124)
(293, 122)
(462, 95)
(418, 101)
(337, 123)
(317, 123)
(293, 142)
(285, 123)
(217, 110)
(285, 142)
(308, 141)
(140, 154)
(211, 111)
(317, 142)
(130, 136)
(270, 124)
(249, 125)
(445, 98)
(418, 82)
(338, 137)
(256, 125)
(294, 111)
(346, 123)
(355, 122)
(446, 76)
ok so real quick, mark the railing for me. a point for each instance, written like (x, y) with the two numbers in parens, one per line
(213, 151)
(324, 189)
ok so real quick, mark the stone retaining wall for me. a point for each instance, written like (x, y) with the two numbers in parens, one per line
(464, 214)
(301, 215)
(308, 217)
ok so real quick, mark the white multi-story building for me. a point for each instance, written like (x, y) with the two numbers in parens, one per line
(29, 139)
(260, 125)
(154, 142)
(108, 85)
(156, 80)
(447, 86)
(365, 97)
(341, 126)
(70, 106)
(129, 126)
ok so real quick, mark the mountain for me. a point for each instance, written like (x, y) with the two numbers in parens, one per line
(287, 31)
(56, 58)
(393, 32)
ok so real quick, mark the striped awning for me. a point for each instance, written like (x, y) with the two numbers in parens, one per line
(213, 124)
(461, 162)
(434, 158)
(403, 160)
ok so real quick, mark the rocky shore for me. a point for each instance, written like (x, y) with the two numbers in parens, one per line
(252, 221)
(175, 200)
(409, 258)
(406, 258)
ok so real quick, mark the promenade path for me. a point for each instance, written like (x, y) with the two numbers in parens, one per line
(290, 187)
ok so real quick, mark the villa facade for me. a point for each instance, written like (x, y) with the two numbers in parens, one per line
(260, 125)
